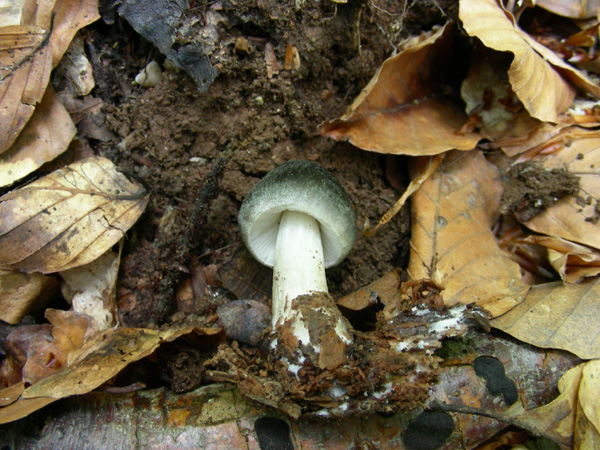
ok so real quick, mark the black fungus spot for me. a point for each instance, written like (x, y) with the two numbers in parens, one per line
(428, 431)
(496, 381)
(273, 434)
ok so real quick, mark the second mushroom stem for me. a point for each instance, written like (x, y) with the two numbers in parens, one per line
(299, 267)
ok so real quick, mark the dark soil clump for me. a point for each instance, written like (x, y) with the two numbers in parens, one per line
(530, 189)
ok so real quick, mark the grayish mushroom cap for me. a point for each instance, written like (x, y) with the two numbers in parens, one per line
(301, 186)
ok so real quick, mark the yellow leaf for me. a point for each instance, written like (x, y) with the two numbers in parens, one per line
(401, 110)
(452, 242)
(68, 218)
(46, 135)
(554, 315)
(543, 92)
(589, 393)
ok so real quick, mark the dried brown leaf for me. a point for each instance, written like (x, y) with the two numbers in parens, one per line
(70, 16)
(402, 110)
(554, 315)
(384, 289)
(557, 417)
(46, 135)
(575, 9)
(543, 92)
(17, 345)
(11, 394)
(47, 356)
(22, 408)
(573, 418)
(574, 217)
(452, 242)
(68, 218)
(21, 293)
(544, 139)
(25, 63)
(573, 262)
(28, 53)
(111, 351)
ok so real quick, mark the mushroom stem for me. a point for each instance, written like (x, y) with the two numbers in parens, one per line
(299, 267)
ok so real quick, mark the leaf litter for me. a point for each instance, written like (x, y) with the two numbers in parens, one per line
(68, 218)
(455, 258)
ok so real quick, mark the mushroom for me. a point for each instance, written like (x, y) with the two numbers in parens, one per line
(299, 220)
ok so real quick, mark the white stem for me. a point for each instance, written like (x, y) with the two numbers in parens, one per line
(299, 267)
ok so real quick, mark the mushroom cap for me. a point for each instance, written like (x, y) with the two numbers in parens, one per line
(302, 186)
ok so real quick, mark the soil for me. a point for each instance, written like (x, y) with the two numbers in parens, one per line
(253, 118)
(530, 189)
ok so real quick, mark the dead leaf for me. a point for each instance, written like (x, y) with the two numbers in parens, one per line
(452, 242)
(11, 13)
(28, 51)
(587, 426)
(490, 100)
(574, 217)
(575, 9)
(68, 218)
(544, 139)
(558, 416)
(47, 356)
(70, 16)
(573, 262)
(76, 70)
(543, 92)
(16, 346)
(25, 63)
(22, 408)
(21, 293)
(402, 110)
(382, 290)
(111, 352)
(11, 394)
(554, 315)
(46, 135)
(91, 289)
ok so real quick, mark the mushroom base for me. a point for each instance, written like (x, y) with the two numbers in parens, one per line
(316, 331)
(387, 370)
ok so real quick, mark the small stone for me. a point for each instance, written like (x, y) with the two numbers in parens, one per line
(245, 320)
(150, 75)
